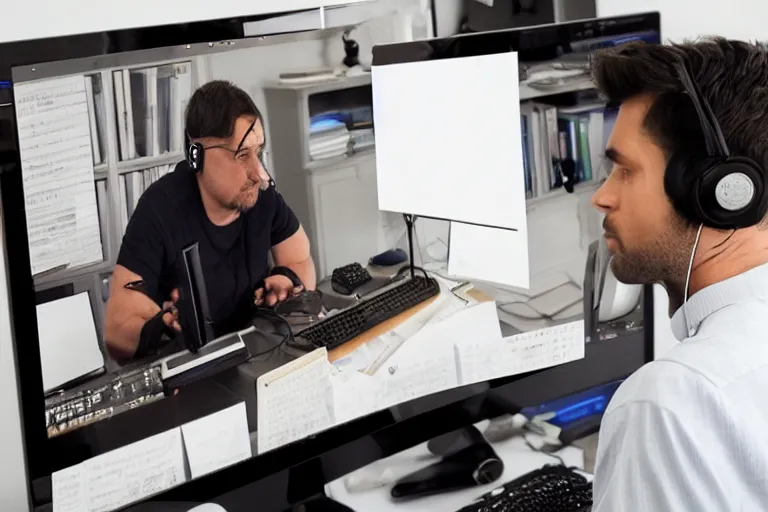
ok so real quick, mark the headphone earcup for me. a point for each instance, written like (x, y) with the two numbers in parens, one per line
(196, 157)
(731, 194)
(678, 182)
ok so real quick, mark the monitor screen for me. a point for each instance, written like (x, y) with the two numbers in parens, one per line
(321, 305)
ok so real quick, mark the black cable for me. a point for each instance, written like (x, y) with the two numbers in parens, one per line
(287, 336)
(541, 316)
(407, 268)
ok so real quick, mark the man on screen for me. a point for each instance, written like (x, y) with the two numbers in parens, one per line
(687, 431)
(222, 197)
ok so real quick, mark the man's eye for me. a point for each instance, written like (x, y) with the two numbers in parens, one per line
(243, 156)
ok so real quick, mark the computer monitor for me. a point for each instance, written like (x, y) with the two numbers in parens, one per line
(99, 189)
(193, 310)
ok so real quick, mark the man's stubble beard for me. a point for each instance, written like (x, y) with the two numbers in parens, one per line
(242, 206)
(664, 260)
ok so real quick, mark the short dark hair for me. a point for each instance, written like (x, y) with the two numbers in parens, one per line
(214, 108)
(731, 75)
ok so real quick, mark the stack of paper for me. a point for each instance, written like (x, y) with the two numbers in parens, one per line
(57, 172)
(329, 142)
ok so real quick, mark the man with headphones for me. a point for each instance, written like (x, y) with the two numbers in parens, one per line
(685, 206)
(223, 198)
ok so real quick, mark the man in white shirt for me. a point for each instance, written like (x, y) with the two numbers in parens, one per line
(689, 431)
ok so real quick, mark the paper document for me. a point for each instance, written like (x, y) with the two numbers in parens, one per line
(482, 180)
(483, 359)
(57, 173)
(121, 477)
(294, 401)
(426, 363)
(217, 440)
(370, 356)
(69, 345)
(487, 254)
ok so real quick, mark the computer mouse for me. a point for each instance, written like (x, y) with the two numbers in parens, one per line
(389, 258)
(618, 299)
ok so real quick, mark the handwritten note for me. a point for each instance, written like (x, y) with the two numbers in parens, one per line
(57, 173)
(217, 440)
(121, 477)
(482, 359)
(294, 401)
(68, 490)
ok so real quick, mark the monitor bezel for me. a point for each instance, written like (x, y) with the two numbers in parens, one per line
(21, 284)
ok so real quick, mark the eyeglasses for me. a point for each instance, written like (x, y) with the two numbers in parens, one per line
(243, 156)
(246, 157)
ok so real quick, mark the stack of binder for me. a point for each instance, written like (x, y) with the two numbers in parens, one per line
(150, 105)
(556, 139)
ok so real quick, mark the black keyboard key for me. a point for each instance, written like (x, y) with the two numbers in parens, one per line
(551, 488)
(347, 279)
(348, 324)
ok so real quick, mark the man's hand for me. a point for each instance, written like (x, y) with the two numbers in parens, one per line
(171, 318)
(276, 289)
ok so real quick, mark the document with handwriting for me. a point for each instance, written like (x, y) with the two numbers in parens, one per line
(217, 440)
(294, 401)
(57, 173)
(482, 359)
(121, 477)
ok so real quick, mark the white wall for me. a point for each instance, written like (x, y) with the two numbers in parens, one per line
(736, 19)
(13, 484)
(35, 19)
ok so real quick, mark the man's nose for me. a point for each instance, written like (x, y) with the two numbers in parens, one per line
(603, 200)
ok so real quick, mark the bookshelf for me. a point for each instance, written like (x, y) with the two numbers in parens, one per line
(328, 176)
(135, 116)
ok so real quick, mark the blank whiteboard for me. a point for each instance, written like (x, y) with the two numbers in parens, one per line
(448, 139)
(69, 345)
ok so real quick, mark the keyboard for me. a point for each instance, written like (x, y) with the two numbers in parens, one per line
(72, 410)
(549, 489)
(345, 280)
(345, 325)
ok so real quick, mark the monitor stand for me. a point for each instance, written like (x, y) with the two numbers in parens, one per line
(186, 367)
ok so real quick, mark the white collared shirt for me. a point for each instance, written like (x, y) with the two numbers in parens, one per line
(689, 431)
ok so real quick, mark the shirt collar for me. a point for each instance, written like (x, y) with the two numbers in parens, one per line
(751, 284)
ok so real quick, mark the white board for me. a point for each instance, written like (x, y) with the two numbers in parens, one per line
(448, 139)
(69, 345)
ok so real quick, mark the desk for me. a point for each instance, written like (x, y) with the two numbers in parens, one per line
(518, 459)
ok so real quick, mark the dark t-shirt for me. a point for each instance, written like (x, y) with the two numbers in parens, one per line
(170, 216)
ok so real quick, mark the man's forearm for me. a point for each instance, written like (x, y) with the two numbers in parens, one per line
(306, 272)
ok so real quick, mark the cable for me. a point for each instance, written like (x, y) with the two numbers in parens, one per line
(539, 450)
(287, 335)
(406, 268)
(541, 316)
